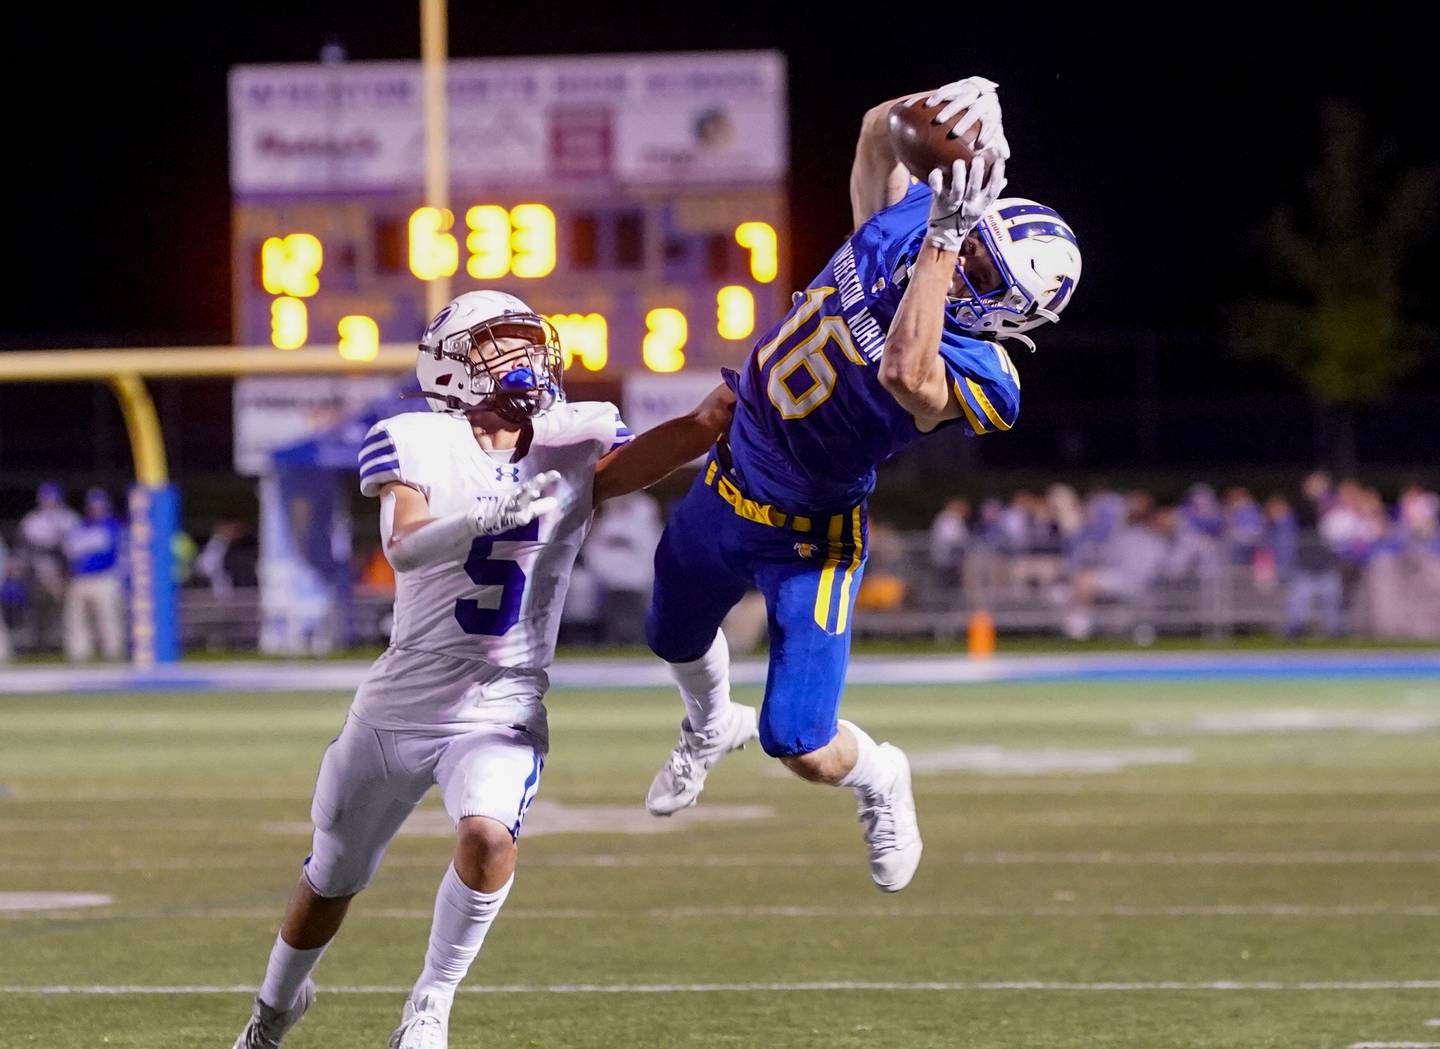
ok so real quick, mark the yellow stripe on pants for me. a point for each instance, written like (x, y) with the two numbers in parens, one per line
(857, 538)
(827, 575)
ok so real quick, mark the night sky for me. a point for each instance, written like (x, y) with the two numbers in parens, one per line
(1166, 144)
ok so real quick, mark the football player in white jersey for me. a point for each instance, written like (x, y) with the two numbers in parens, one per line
(483, 506)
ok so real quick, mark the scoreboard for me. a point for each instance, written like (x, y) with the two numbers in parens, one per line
(636, 201)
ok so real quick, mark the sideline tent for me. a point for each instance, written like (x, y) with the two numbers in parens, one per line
(306, 578)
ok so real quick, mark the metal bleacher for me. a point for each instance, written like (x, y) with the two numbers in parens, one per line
(1022, 593)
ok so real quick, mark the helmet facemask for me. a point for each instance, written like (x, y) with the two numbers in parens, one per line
(516, 382)
(1037, 264)
(1002, 312)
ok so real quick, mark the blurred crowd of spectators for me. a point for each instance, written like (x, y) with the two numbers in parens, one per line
(1334, 559)
(1322, 550)
(63, 583)
(64, 575)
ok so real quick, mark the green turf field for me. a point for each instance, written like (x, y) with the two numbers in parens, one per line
(1292, 848)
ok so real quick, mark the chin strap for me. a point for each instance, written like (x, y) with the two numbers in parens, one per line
(511, 409)
(1023, 340)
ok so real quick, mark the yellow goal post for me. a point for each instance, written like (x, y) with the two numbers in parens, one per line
(153, 503)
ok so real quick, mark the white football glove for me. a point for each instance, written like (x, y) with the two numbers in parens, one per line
(977, 97)
(961, 196)
(494, 514)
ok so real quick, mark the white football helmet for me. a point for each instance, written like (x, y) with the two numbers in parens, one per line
(1039, 262)
(461, 366)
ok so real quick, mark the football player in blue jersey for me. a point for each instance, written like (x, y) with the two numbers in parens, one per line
(900, 335)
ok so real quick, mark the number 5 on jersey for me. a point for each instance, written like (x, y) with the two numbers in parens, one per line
(485, 569)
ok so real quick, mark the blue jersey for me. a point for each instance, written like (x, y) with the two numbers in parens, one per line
(813, 421)
(93, 546)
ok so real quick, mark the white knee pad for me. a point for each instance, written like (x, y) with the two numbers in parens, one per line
(337, 867)
(359, 806)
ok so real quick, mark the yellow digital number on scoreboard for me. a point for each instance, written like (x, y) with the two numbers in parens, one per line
(359, 338)
(583, 336)
(488, 241)
(764, 247)
(289, 323)
(498, 242)
(291, 265)
(734, 312)
(519, 242)
(434, 252)
(666, 332)
(533, 240)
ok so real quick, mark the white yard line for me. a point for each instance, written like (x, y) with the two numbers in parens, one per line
(29, 902)
(179, 796)
(1395, 1045)
(1220, 910)
(742, 988)
(1068, 787)
(972, 859)
(1193, 819)
(47, 824)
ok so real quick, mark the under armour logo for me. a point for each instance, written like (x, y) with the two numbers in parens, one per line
(514, 472)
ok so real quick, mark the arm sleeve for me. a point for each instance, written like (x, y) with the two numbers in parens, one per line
(446, 539)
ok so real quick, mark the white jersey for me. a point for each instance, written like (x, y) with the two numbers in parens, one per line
(499, 606)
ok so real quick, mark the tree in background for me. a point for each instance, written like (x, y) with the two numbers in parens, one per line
(1340, 322)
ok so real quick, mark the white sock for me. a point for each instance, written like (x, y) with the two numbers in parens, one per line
(286, 972)
(870, 771)
(462, 918)
(705, 686)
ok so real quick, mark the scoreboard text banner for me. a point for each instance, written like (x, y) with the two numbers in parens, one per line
(678, 119)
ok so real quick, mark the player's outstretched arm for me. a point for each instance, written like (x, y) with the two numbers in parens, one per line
(660, 451)
(910, 368)
(412, 538)
(877, 178)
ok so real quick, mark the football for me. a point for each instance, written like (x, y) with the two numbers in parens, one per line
(922, 145)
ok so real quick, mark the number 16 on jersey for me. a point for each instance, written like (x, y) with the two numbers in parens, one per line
(793, 351)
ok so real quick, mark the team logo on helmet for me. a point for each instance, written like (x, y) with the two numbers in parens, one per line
(440, 318)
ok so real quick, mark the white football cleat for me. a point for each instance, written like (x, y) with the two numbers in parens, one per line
(681, 779)
(420, 1028)
(267, 1026)
(891, 829)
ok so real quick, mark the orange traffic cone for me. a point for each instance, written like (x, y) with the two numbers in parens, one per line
(981, 634)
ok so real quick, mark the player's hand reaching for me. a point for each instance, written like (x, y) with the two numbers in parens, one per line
(961, 196)
(499, 513)
(976, 96)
